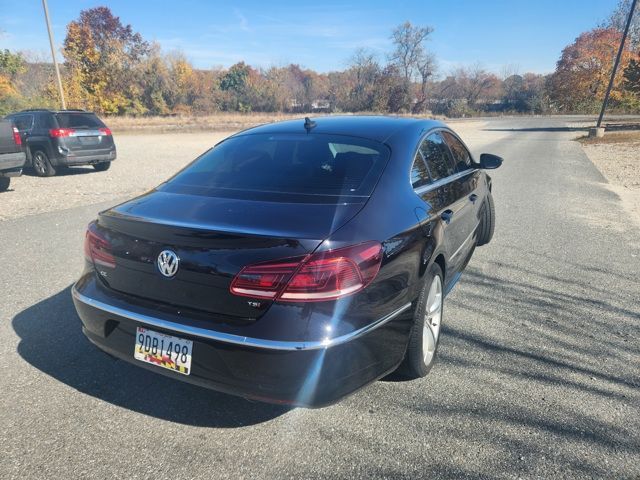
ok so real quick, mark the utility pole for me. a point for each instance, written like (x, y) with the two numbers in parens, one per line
(53, 54)
(599, 131)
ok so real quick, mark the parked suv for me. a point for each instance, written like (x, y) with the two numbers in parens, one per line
(64, 138)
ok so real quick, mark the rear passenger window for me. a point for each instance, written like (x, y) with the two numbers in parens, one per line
(419, 172)
(24, 122)
(436, 154)
(45, 121)
(461, 156)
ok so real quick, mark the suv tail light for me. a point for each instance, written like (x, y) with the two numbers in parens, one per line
(105, 131)
(97, 249)
(61, 132)
(17, 139)
(321, 276)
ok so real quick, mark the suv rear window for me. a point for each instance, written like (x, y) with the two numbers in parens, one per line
(78, 120)
(311, 164)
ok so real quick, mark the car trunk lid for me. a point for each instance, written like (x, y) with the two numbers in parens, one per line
(220, 237)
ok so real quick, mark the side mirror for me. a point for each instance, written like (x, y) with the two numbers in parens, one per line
(489, 161)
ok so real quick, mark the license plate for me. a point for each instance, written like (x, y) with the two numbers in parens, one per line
(89, 140)
(165, 351)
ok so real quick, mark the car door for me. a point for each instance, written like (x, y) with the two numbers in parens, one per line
(441, 196)
(467, 186)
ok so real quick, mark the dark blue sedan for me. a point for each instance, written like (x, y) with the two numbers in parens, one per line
(294, 262)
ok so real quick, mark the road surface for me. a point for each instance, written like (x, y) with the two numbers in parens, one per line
(538, 374)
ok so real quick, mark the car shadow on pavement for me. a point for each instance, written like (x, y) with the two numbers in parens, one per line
(63, 171)
(52, 341)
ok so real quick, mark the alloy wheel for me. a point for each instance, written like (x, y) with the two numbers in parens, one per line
(432, 320)
(39, 163)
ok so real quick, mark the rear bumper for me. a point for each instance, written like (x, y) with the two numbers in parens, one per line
(82, 159)
(309, 374)
(11, 164)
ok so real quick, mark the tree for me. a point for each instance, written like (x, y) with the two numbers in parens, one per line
(11, 64)
(363, 76)
(472, 83)
(524, 93)
(102, 57)
(618, 20)
(632, 76)
(412, 58)
(584, 69)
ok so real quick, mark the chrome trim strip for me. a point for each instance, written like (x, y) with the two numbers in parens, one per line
(236, 339)
(463, 243)
(443, 181)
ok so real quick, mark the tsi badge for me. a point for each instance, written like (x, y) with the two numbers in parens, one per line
(168, 263)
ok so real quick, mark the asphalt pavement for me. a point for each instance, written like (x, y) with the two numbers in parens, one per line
(538, 373)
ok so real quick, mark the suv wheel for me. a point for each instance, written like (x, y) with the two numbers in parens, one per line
(487, 221)
(4, 183)
(41, 164)
(102, 166)
(425, 334)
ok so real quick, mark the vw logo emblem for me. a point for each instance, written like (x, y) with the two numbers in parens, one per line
(168, 263)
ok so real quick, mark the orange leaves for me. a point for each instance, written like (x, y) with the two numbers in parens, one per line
(584, 68)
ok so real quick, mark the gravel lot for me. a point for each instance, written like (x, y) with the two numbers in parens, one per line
(538, 364)
(620, 164)
(143, 162)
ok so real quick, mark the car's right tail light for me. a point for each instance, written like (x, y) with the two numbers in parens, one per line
(326, 275)
(97, 249)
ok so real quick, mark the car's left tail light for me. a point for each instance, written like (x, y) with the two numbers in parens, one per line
(97, 249)
(326, 275)
(17, 139)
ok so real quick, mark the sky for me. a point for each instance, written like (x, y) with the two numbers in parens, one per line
(527, 35)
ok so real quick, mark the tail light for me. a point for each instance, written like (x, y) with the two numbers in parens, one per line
(97, 249)
(61, 132)
(321, 276)
(17, 139)
(105, 131)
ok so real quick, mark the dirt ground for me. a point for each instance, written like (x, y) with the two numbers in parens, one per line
(617, 156)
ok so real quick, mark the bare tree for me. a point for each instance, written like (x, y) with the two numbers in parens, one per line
(471, 83)
(618, 20)
(364, 71)
(412, 58)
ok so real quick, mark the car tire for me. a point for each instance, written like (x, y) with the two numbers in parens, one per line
(4, 183)
(102, 166)
(487, 221)
(41, 164)
(427, 321)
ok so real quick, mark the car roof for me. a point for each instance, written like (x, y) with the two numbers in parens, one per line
(373, 127)
(46, 110)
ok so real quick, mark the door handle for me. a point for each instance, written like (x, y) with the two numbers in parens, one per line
(473, 197)
(446, 216)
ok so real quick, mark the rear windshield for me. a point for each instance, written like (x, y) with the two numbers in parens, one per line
(78, 120)
(307, 164)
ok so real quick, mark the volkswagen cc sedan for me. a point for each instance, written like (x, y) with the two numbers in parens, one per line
(294, 262)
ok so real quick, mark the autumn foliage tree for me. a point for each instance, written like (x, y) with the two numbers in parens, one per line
(101, 59)
(11, 65)
(584, 69)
